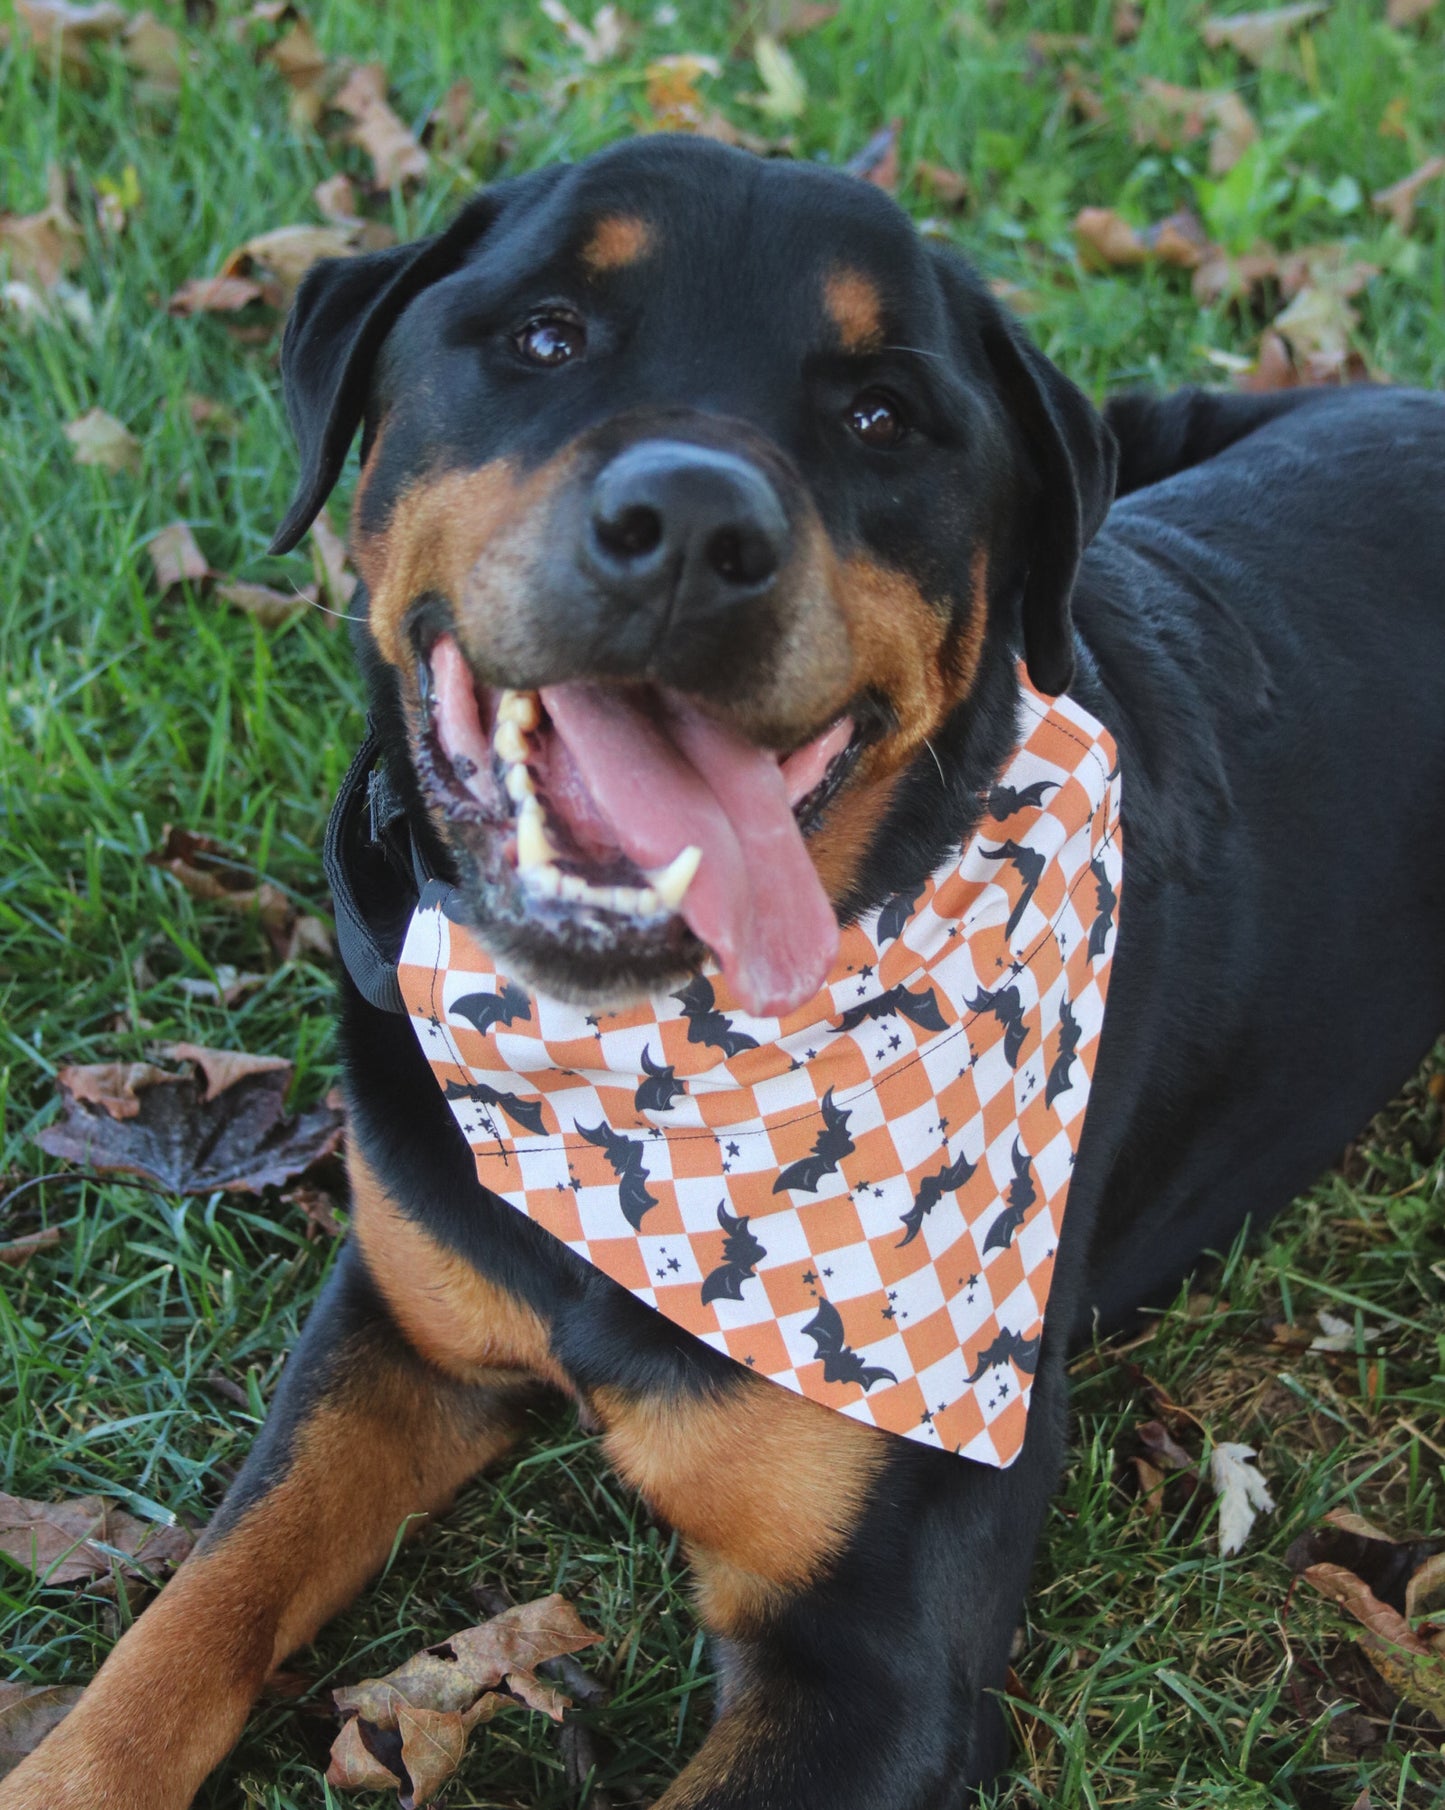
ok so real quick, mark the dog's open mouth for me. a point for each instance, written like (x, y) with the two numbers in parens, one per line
(621, 808)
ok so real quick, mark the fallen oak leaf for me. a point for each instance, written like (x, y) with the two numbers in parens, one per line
(1398, 200)
(154, 51)
(1387, 1566)
(209, 873)
(214, 295)
(99, 439)
(1167, 116)
(354, 1767)
(271, 608)
(66, 1542)
(63, 33)
(112, 1086)
(43, 246)
(672, 93)
(176, 558)
(229, 1131)
(15, 1251)
(1261, 38)
(1243, 1494)
(28, 1712)
(599, 45)
(1412, 1667)
(397, 158)
(1106, 238)
(288, 252)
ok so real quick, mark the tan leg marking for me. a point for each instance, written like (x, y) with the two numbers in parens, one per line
(617, 240)
(764, 1486)
(172, 1698)
(449, 1312)
(855, 308)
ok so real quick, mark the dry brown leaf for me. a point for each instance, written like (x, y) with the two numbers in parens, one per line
(229, 987)
(1128, 19)
(1273, 368)
(154, 51)
(62, 1542)
(16, 1251)
(99, 439)
(1261, 38)
(1317, 326)
(228, 1130)
(270, 607)
(1411, 1667)
(214, 295)
(335, 199)
(43, 246)
(288, 252)
(600, 43)
(298, 58)
(1398, 201)
(1406, 12)
(942, 185)
(672, 93)
(111, 1085)
(63, 33)
(319, 1208)
(1222, 277)
(436, 1697)
(176, 558)
(28, 1712)
(877, 162)
(334, 577)
(1167, 116)
(1425, 1594)
(396, 156)
(209, 872)
(1081, 94)
(1106, 240)
(354, 1767)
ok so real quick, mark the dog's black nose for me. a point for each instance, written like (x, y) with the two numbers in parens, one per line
(684, 530)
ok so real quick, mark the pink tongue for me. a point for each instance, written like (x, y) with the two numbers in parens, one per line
(756, 901)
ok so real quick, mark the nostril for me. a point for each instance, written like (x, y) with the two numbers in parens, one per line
(741, 556)
(632, 533)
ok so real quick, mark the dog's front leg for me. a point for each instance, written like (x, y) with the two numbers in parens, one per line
(862, 1591)
(363, 1435)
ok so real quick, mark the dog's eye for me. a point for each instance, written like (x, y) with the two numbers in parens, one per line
(876, 419)
(551, 339)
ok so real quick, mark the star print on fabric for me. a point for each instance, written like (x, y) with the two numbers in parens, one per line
(674, 1265)
(733, 1150)
(751, 1361)
(879, 1056)
(867, 971)
(1002, 1388)
(827, 1272)
(811, 1055)
(594, 1021)
(727, 1168)
(926, 1418)
(894, 1041)
(561, 1187)
(809, 1278)
(890, 1313)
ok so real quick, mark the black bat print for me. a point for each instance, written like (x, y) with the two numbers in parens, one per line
(661, 1088)
(931, 1190)
(1007, 1007)
(1008, 1348)
(741, 1252)
(896, 912)
(625, 1156)
(918, 1008)
(1003, 800)
(841, 1364)
(705, 1024)
(1019, 1196)
(830, 1146)
(527, 1113)
(483, 1010)
(1107, 900)
(1030, 863)
(1060, 1081)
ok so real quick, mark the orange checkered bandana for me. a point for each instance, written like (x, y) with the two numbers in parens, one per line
(861, 1200)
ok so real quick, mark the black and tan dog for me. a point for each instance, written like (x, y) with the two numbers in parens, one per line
(726, 440)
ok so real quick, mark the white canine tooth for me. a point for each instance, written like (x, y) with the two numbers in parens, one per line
(509, 741)
(574, 887)
(519, 782)
(672, 881)
(648, 901)
(546, 880)
(533, 847)
(625, 898)
(519, 707)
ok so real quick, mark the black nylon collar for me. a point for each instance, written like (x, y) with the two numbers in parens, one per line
(376, 873)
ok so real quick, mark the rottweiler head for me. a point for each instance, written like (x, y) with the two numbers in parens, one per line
(704, 511)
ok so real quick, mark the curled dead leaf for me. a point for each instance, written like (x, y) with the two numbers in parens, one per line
(176, 558)
(672, 94)
(229, 1130)
(598, 45)
(397, 158)
(15, 1251)
(28, 1712)
(154, 51)
(63, 33)
(270, 607)
(434, 1699)
(1106, 240)
(1167, 116)
(99, 439)
(877, 162)
(288, 252)
(1398, 200)
(65, 1542)
(207, 871)
(1413, 1667)
(214, 295)
(1261, 38)
(43, 246)
(941, 185)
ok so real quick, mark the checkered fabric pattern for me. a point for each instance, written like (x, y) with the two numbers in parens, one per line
(861, 1200)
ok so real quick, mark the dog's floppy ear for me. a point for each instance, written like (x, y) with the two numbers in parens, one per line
(343, 311)
(1074, 458)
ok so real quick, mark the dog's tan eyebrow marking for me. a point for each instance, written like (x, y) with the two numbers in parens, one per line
(855, 307)
(617, 240)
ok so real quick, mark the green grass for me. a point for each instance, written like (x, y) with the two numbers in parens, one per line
(1159, 1674)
